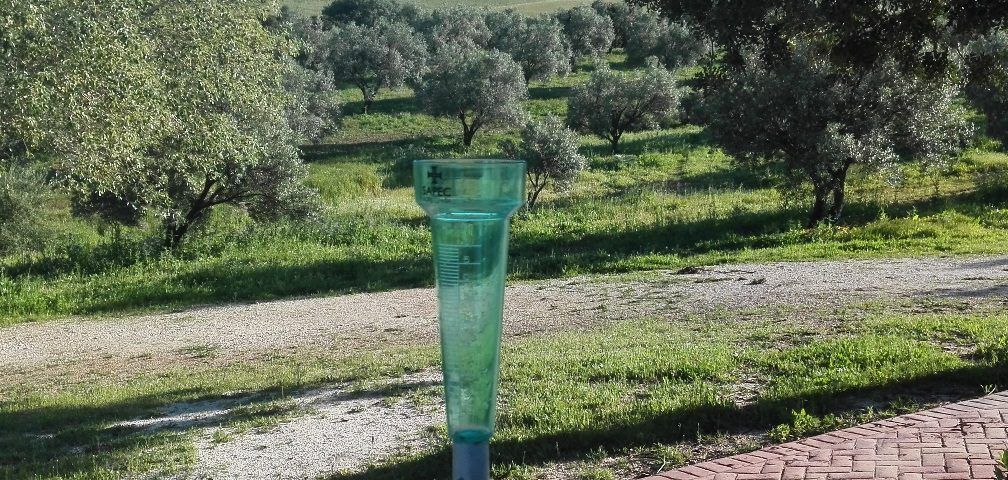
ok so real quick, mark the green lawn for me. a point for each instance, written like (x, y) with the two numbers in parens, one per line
(671, 200)
(613, 401)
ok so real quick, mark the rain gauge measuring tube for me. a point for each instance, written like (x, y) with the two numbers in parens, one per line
(470, 203)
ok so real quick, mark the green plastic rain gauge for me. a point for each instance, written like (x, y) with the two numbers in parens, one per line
(470, 203)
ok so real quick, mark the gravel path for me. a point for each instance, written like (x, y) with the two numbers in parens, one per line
(335, 432)
(409, 316)
(332, 430)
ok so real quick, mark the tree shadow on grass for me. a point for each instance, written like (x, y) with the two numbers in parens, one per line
(689, 422)
(374, 150)
(545, 92)
(390, 106)
(237, 282)
(72, 441)
(607, 252)
(973, 202)
(538, 255)
(679, 140)
(713, 181)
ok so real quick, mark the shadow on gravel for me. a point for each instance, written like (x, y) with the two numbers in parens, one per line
(686, 424)
(77, 439)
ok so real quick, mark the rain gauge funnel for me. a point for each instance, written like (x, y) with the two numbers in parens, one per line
(470, 203)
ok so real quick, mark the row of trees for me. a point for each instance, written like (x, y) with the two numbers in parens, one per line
(474, 65)
(807, 90)
(142, 109)
(375, 44)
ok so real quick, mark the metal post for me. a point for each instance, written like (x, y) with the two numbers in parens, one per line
(470, 461)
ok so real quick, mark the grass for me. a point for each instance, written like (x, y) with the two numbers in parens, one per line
(534, 7)
(623, 399)
(672, 200)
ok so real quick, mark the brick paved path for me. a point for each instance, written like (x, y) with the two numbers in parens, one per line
(957, 441)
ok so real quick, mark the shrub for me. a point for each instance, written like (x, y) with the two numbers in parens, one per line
(551, 152)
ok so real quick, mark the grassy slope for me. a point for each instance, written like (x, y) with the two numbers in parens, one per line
(529, 7)
(672, 200)
(615, 401)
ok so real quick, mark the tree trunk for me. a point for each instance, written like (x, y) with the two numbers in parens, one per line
(368, 98)
(533, 195)
(836, 210)
(818, 213)
(614, 142)
(839, 194)
(468, 131)
(174, 233)
(467, 136)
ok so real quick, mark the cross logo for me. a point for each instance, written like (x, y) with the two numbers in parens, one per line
(434, 174)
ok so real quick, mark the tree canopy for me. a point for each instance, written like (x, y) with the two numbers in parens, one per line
(589, 33)
(988, 81)
(384, 55)
(612, 103)
(141, 107)
(476, 87)
(817, 120)
(536, 43)
(457, 25)
(369, 12)
(922, 35)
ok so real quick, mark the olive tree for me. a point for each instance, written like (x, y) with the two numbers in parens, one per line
(589, 34)
(310, 35)
(195, 93)
(828, 85)
(612, 103)
(88, 113)
(314, 108)
(476, 87)
(675, 44)
(622, 15)
(537, 44)
(816, 121)
(988, 84)
(368, 12)
(550, 151)
(647, 29)
(457, 25)
(680, 45)
(384, 55)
